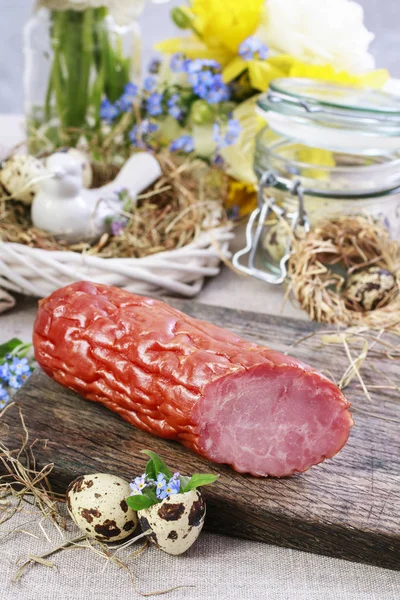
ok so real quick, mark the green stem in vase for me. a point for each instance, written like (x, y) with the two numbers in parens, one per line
(72, 54)
(87, 63)
(98, 88)
(108, 64)
(56, 81)
(116, 71)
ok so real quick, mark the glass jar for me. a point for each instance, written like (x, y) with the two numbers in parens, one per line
(73, 59)
(328, 151)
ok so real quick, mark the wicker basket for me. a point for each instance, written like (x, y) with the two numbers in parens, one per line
(37, 272)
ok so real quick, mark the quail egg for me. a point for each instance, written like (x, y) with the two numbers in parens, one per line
(277, 239)
(369, 287)
(97, 504)
(176, 522)
(17, 175)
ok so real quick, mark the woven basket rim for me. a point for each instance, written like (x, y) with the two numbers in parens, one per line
(204, 239)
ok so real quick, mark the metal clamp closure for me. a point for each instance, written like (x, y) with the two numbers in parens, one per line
(256, 226)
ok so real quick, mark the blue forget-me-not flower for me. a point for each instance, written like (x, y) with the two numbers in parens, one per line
(229, 136)
(253, 48)
(173, 106)
(125, 103)
(184, 143)
(108, 111)
(154, 104)
(140, 131)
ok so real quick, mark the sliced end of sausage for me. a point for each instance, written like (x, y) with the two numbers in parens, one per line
(272, 420)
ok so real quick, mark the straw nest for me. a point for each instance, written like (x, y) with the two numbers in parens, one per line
(324, 261)
(185, 201)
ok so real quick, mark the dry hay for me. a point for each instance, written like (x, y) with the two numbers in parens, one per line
(186, 200)
(350, 243)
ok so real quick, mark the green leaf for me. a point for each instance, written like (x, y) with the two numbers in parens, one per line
(183, 481)
(150, 470)
(22, 350)
(158, 463)
(14, 347)
(151, 493)
(139, 502)
(198, 480)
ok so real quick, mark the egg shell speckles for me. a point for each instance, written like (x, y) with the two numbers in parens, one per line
(276, 240)
(176, 522)
(18, 173)
(369, 287)
(97, 504)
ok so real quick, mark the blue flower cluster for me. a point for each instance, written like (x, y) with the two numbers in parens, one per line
(173, 106)
(13, 374)
(149, 84)
(138, 484)
(141, 131)
(204, 76)
(229, 136)
(178, 63)
(163, 487)
(109, 111)
(125, 103)
(118, 226)
(154, 104)
(184, 143)
(253, 49)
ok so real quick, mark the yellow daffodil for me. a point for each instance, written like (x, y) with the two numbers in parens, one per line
(372, 79)
(239, 157)
(226, 24)
(262, 72)
(220, 27)
(192, 47)
(242, 196)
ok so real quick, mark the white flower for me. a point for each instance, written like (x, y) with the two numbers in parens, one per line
(126, 11)
(319, 32)
(71, 4)
(123, 11)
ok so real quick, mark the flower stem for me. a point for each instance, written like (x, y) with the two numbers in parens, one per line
(87, 61)
(88, 64)
(56, 78)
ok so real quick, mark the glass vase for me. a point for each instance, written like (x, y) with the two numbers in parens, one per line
(73, 60)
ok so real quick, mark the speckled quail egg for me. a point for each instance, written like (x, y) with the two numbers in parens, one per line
(84, 161)
(97, 504)
(276, 240)
(369, 287)
(176, 522)
(17, 174)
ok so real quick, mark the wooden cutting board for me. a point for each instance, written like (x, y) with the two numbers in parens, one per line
(348, 507)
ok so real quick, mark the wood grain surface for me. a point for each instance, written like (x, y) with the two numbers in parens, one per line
(347, 507)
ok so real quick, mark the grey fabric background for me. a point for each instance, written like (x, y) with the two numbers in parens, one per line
(382, 17)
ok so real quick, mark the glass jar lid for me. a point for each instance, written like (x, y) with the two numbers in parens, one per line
(332, 116)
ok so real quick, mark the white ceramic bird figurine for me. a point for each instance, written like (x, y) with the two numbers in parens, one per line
(64, 208)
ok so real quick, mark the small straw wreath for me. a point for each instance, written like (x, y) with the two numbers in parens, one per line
(350, 243)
